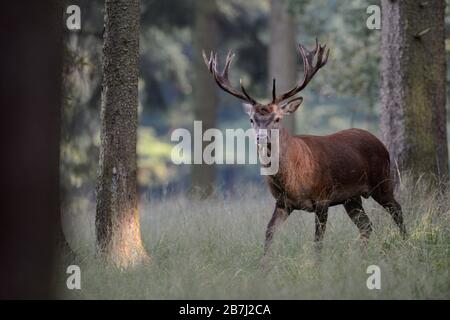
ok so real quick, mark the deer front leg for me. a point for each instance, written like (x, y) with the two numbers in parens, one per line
(280, 215)
(321, 223)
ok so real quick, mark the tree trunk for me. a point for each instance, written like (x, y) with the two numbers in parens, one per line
(413, 79)
(282, 53)
(117, 219)
(205, 92)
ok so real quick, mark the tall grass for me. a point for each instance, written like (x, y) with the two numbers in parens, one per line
(211, 250)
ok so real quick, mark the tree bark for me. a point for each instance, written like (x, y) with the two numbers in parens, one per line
(117, 219)
(205, 93)
(413, 80)
(282, 53)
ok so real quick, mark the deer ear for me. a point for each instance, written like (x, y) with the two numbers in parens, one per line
(291, 106)
(248, 108)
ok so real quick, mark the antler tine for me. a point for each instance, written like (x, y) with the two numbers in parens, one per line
(215, 63)
(312, 62)
(250, 99)
(326, 57)
(228, 61)
(306, 63)
(208, 62)
(221, 78)
(317, 48)
(274, 95)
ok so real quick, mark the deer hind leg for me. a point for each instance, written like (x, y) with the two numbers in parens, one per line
(359, 217)
(280, 215)
(393, 207)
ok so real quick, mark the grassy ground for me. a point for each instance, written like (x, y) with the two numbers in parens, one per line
(212, 249)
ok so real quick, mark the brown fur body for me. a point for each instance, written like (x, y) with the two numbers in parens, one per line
(329, 170)
(316, 172)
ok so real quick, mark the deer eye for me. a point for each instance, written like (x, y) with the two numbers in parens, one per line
(277, 120)
(251, 121)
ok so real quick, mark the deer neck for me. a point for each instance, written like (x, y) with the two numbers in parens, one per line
(282, 147)
(285, 141)
(291, 150)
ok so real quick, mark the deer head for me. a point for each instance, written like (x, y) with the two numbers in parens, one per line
(264, 117)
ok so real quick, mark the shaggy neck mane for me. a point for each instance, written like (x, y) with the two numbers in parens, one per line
(294, 155)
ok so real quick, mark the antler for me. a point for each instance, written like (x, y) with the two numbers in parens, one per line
(222, 78)
(309, 69)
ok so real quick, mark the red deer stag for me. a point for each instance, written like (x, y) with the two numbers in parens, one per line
(316, 172)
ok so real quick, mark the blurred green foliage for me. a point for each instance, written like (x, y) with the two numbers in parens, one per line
(153, 158)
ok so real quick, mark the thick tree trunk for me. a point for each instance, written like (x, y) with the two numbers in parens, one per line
(205, 92)
(117, 220)
(282, 53)
(413, 75)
